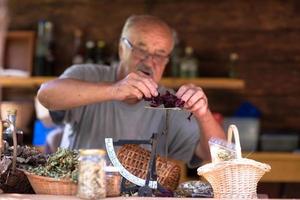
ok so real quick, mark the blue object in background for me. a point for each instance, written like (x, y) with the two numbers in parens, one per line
(40, 133)
(247, 109)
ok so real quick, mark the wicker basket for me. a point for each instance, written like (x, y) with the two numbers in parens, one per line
(47, 185)
(136, 160)
(235, 178)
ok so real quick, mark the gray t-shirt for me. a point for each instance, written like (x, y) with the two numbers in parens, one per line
(87, 126)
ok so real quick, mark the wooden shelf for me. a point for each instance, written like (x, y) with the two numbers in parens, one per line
(23, 82)
(211, 83)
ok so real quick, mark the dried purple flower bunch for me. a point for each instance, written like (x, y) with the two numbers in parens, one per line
(168, 100)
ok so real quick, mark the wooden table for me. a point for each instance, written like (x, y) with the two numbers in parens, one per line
(285, 167)
(60, 197)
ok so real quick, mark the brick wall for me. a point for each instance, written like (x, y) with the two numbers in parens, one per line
(265, 34)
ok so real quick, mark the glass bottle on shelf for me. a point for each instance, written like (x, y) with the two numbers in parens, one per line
(78, 54)
(10, 126)
(44, 55)
(40, 52)
(49, 40)
(175, 57)
(100, 52)
(233, 57)
(189, 64)
(90, 52)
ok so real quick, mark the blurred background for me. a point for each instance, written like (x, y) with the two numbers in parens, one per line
(245, 54)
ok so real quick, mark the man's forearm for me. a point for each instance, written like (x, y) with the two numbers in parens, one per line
(209, 128)
(62, 94)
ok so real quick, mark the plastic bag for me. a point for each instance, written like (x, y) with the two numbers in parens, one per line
(221, 150)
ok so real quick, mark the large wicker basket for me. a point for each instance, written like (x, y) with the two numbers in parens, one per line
(235, 178)
(136, 160)
(48, 185)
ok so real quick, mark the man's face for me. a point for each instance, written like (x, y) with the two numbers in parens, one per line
(146, 49)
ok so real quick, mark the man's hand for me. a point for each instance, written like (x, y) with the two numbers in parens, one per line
(196, 102)
(135, 86)
(195, 99)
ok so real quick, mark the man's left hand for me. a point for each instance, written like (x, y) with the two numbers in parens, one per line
(195, 99)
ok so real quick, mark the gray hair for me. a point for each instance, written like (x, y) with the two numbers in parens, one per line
(140, 20)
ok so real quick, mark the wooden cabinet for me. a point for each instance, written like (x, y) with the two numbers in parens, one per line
(18, 51)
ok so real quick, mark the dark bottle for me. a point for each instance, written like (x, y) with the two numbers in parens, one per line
(175, 57)
(90, 52)
(44, 55)
(50, 48)
(233, 58)
(40, 52)
(78, 54)
(100, 52)
(10, 127)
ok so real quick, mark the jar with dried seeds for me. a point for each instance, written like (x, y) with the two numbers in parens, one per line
(91, 178)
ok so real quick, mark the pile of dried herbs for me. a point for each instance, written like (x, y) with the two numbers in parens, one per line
(16, 181)
(63, 164)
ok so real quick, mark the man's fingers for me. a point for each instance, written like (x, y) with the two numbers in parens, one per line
(182, 90)
(149, 83)
(201, 103)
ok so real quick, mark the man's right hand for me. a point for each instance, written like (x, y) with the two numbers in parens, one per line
(134, 86)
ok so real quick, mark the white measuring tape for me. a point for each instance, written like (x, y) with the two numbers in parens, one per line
(123, 171)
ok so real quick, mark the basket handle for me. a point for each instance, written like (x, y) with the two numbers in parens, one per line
(232, 129)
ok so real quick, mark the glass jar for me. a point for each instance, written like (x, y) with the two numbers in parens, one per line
(91, 179)
(113, 181)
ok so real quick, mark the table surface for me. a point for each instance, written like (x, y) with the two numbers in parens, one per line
(61, 197)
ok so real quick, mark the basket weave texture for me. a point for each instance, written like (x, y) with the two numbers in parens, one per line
(235, 178)
(136, 160)
(48, 185)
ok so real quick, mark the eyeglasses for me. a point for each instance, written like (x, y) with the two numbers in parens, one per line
(142, 54)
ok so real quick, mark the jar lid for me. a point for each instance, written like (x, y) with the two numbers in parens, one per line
(92, 152)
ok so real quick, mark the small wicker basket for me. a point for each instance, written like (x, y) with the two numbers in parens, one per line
(235, 178)
(136, 160)
(48, 185)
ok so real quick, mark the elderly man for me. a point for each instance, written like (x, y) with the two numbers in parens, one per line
(106, 101)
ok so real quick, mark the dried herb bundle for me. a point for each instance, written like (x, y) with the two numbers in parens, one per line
(63, 164)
